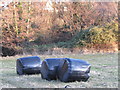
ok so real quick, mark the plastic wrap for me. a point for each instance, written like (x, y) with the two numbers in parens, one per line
(28, 65)
(73, 70)
(49, 68)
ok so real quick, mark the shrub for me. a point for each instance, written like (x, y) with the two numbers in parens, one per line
(96, 35)
(100, 35)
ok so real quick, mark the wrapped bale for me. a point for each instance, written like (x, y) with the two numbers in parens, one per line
(28, 65)
(49, 68)
(73, 70)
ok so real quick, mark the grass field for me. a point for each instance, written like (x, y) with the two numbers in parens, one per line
(104, 73)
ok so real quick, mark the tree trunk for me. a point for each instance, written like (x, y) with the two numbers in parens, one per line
(15, 20)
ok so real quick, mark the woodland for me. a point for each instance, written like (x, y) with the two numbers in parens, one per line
(69, 27)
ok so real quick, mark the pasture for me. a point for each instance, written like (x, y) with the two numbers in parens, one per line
(104, 73)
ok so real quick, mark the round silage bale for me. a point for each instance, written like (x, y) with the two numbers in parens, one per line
(49, 68)
(28, 65)
(73, 70)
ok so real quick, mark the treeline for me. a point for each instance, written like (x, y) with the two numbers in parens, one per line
(29, 26)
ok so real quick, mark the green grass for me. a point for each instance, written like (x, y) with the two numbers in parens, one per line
(104, 73)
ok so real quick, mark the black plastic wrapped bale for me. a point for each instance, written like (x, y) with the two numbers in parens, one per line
(73, 70)
(49, 68)
(28, 65)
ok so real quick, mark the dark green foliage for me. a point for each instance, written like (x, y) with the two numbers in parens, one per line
(95, 35)
(92, 36)
(81, 39)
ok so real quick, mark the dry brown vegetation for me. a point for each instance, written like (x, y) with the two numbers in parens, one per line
(28, 25)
